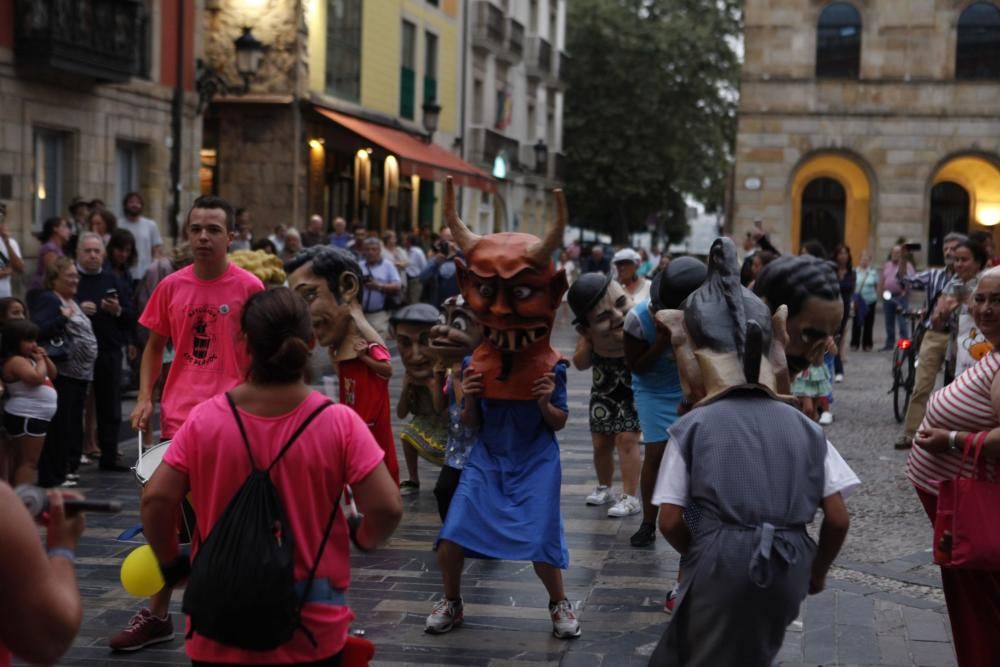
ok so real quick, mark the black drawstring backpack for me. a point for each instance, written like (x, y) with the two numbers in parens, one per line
(241, 591)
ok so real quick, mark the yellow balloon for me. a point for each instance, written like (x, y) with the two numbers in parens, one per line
(141, 574)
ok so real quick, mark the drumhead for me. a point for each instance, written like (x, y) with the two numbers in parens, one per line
(150, 461)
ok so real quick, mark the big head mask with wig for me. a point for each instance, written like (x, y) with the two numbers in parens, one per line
(723, 333)
(808, 287)
(510, 284)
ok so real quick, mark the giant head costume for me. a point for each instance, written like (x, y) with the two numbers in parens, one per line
(599, 306)
(722, 335)
(510, 284)
(412, 327)
(329, 279)
(457, 332)
(809, 288)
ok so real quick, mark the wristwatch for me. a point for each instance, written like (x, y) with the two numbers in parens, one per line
(952, 446)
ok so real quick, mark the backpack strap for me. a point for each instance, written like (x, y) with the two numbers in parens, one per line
(315, 566)
(243, 432)
(302, 427)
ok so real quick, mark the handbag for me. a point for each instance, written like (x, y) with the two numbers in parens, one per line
(57, 348)
(860, 307)
(965, 534)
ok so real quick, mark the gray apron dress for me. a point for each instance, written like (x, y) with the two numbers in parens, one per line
(756, 475)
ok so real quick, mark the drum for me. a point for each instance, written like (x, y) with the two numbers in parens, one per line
(149, 461)
(147, 464)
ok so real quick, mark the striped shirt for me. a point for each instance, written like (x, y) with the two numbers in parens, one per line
(933, 281)
(963, 405)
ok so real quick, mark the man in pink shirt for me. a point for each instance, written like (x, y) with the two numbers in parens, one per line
(198, 308)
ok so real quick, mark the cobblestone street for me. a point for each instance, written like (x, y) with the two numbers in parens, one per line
(883, 606)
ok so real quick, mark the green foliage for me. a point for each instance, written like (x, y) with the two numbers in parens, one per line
(650, 111)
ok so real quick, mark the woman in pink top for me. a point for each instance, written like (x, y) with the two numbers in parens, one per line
(963, 408)
(207, 458)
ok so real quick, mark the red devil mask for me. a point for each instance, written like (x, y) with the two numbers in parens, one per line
(510, 284)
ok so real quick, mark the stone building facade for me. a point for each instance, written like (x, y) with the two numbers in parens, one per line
(92, 117)
(868, 121)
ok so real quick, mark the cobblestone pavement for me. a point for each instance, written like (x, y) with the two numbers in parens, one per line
(883, 605)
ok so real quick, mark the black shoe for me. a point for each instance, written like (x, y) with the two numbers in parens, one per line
(645, 536)
(113, 466)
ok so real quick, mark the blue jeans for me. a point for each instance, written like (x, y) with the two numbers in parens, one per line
(895, 307)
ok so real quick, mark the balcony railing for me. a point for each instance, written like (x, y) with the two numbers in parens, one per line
(538, 59)
(93, 38)
(563, 63)
(488, 30)
(515, 38)
(486, 144)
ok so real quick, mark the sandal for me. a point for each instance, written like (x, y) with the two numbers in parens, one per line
(408, 487)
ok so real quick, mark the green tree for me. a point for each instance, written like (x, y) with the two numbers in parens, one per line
(650, 112)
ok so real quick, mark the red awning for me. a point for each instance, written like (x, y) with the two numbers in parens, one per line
(428, 161)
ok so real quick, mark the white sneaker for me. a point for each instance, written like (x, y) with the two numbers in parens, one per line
(446, 615)
(826, 418)
(626, 506)
(600, 496)
(564, 623)
(839, 377)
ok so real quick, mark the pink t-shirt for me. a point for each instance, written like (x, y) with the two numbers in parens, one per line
(337, 448)
(202, 319)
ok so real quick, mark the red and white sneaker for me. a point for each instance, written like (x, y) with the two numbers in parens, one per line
(668, 603)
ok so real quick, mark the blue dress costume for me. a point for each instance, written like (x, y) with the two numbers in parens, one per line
(507, 502)
(658, 391)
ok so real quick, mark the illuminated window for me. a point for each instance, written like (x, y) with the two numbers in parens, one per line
(51, 154)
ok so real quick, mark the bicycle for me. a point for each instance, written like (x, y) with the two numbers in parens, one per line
(904, 364)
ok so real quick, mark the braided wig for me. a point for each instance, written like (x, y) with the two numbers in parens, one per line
(792, 280)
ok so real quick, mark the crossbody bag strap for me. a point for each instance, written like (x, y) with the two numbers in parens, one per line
(243, 432)
(302, 427)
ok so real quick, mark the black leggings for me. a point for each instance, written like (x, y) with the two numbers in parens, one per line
(444, 490)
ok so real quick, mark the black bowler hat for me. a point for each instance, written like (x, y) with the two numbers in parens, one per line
(675, 283)
(585, 293)
(416, 313)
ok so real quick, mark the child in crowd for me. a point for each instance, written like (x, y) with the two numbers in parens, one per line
(452, 340)
(812, 387)
(31, 402)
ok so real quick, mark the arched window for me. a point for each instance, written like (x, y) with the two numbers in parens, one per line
(824, 210)
(838, 42)
(978, 53)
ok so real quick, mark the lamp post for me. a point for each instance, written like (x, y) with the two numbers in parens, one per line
(541, 157)
(432, 114)
(249, 53)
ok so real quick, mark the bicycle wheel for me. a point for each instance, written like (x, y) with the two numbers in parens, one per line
(900, 396)
(909, 371)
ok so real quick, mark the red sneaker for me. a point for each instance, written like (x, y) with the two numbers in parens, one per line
(143, 629)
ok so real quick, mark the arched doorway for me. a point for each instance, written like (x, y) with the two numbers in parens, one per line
(831, 202)
(824, 212)
(949, 213)
(964, 197)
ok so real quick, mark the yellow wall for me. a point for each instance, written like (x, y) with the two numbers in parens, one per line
(316, 22)
(381, 35)
(852, 177)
